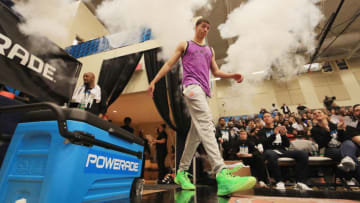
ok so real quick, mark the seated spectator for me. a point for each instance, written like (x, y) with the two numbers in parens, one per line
(276, 120)
(259, 123)
(275, 142)
(287, 125)
(261, 113)
(309, 114)
(299, 126)
(239, 124)
(248, 152)
(333, 138)
(325, 134)
(304, 118)
(350, 149)
(250, 126)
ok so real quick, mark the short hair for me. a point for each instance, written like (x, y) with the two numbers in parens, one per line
(221, 118)
(202, 20)
(242, 131)
(356, 105)
(127, 120)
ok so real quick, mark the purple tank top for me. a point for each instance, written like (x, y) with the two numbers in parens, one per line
(196, 66)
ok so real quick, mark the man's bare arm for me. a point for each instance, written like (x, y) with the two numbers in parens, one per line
(170, 63)
(218, 73)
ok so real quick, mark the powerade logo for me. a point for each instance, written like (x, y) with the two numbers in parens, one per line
(27, 59)
(103, 162)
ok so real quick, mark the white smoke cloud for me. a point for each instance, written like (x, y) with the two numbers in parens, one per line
(46, 18)
(269, 35)
(169, 20)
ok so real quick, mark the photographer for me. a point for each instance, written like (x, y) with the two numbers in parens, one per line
(329, 102)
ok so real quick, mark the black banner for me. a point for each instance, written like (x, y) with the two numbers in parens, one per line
(49, 75)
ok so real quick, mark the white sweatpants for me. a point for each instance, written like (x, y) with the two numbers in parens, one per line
(202, 130)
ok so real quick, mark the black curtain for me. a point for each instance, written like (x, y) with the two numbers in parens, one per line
(179, 110)
(115, 74)
(177, 103)
(160, 98)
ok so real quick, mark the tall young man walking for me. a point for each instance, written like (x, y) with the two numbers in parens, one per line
(197, 60)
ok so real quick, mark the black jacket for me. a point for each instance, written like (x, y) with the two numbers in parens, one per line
(322, 137)
(267, 138)
(351, 132)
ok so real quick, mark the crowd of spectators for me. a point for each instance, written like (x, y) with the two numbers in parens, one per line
(260, 140)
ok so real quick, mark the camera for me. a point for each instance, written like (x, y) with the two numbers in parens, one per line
(328, 102)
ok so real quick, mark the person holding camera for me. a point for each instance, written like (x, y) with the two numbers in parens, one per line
(329, 102)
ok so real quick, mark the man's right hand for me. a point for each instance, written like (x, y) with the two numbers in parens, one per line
(151, 89)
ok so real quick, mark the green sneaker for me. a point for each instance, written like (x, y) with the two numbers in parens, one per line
(227, 183)
(182, 179)
(184, 196)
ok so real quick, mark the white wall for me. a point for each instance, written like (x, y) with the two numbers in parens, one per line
(308, 89)
(84, 24)
(93, 64)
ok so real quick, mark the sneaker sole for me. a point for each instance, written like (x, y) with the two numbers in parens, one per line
(240, 187)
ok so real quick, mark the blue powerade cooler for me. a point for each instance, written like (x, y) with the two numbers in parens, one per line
(69, 156)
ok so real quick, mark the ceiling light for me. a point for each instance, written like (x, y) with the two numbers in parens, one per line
(259, 72)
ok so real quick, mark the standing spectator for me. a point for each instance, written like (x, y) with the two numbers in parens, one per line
(127, 123)
(275, 143)
(146, 144)
(285, 109)
(222, 132)
(161, 152)
(301, 109)
(146, 151)
(89, 96)
(274, 109)
(229, 145)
